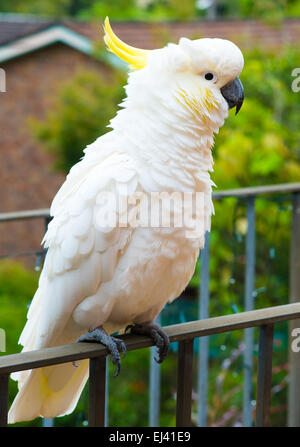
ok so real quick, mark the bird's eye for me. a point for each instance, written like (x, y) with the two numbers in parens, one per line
(209, 76)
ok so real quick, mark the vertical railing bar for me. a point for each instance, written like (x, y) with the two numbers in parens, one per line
(249, 305)
(106, 418)
(184, 383)
(203, 312)
(48, 422)
(154, 385)
(294, 265)
(264, 375)
(4, 378)
(154, 390)
(97, 390)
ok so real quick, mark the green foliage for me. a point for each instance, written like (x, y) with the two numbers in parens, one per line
(116, 10)
(154, 10)
(17, 287)
(146, 10)
(272, 11)
(46, 7)
(259, 146)
(81, 115)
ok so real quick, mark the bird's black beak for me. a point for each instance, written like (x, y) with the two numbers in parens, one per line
(233, 92)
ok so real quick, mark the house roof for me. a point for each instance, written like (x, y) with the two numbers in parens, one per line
(14, 26)
(21, 33)
(44, 37)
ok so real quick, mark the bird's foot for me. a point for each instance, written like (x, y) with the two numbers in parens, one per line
(113, 344)
(157, 334)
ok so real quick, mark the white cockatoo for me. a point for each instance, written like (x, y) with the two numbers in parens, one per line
(103, 271)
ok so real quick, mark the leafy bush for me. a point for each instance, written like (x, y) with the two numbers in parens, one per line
(17, 287)
(150, 10)
(82, 113)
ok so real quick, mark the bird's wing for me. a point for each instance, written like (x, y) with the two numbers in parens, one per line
(82, 255)
(83, 250)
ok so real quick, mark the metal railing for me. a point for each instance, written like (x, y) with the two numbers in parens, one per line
(248, 195)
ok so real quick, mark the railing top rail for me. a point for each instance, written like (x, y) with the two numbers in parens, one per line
(285, 188)
(28, 214)
(176, 332)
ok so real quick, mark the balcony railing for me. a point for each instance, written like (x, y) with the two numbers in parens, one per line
(187, 332)
(184, 334)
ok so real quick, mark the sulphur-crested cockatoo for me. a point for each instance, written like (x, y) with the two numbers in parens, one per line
(104, 269)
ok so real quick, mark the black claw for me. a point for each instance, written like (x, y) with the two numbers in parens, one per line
(157, 334)
(113, 344)
(120, 345)
(118, 369)
(116, 361)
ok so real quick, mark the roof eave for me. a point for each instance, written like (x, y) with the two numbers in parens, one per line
(44, 38)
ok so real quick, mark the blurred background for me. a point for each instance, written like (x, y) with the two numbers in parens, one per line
(61, 90)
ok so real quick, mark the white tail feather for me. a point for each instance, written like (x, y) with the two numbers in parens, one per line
(49, 392)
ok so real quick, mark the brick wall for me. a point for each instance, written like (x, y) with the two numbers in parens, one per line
(26, 178)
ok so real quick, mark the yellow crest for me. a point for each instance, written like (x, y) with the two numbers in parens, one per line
(135, 57)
